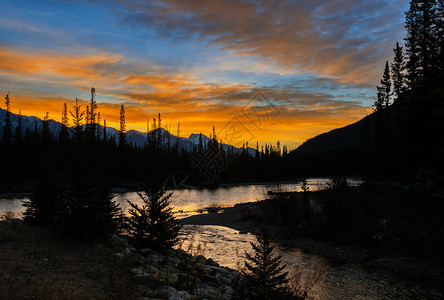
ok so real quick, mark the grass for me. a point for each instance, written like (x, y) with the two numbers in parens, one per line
(36, 264)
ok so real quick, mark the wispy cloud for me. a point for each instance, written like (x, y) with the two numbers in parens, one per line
(344, 40)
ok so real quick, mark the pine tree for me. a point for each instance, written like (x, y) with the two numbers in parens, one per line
(77, 116)
(263, 276)
(398, 67)
(153, 224)
(98, 130)
(46, 202)
(63, 135)
(152, 136)
(412, 41)
(200, 146)
(7, 128)
(386, 84)
(122, 131)
(18, 129)
(214, 139)
(71, 194)
(91, 125)
(284, 150)
(421, 40)
(383, 91)
(87, 121)
(177, 137)
(104, 131)
(46, 134)
(159, 133)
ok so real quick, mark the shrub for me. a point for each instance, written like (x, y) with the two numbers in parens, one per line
(263, 276)
(153, 224)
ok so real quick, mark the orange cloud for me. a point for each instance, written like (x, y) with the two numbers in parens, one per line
(146, 89)
(19, 62)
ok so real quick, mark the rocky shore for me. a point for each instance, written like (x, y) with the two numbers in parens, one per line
(36, 264)
(176, 274)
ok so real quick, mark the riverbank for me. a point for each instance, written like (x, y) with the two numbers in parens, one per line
(36, 264)
(371, 273)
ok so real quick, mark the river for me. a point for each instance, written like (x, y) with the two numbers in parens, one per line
(227, 246)
(190, 201)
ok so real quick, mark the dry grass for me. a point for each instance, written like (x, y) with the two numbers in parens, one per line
(301, 284)
(36, 264)
(193, 248)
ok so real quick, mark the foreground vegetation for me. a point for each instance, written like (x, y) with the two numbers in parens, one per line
(398, 218)
(38, 264)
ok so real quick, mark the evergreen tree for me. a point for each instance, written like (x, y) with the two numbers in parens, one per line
(87, 120)
(214, 139)
(46, 134)
(77, 116)
(152, 136)
(7, 128)
(159, 133)
(63, 135)
(383, 91)
(177, 137)
(98, 130)
(412, 47)
(284, 150)
(200, 144)
(398, 67)
(104, 131)
(122, 131)
(153, 224)
(263, 276)
(257, 155)
(89, 210)
(46, 202)
(92, 115)
(18, 129)
(386, 84)
(421, 40)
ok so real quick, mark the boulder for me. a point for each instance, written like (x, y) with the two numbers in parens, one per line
(118, 241)
(165, 292)
(201, 259)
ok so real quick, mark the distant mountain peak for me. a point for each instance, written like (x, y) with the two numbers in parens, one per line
(134, 137)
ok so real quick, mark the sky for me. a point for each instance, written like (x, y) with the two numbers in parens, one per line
(263, 70)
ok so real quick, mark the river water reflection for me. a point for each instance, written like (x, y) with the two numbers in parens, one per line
(189, 201)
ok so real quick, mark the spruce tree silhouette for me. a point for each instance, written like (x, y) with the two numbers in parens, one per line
(263, 276)
(397, 71)
(6, 145)
(152, 224)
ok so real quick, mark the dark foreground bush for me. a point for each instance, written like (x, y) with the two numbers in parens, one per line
(152, 224)
(263, 276)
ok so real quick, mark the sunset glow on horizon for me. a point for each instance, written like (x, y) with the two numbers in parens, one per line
(201, 62)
